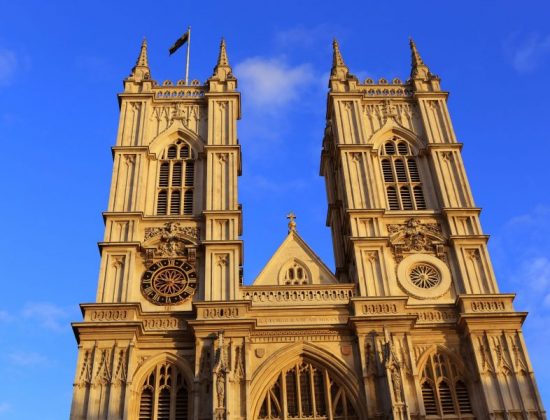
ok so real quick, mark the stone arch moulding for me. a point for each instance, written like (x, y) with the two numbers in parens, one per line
(288, 263)
(393, 128)
(173, 133)
(268, 371)
(145, 369)
(435, 348)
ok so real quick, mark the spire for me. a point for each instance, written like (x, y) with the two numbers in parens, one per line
(222, 57)
(141, 70)
(339, 68)
(222, 71)
(142, 60)
(418, 68)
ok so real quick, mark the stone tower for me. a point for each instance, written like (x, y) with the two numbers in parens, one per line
(410, 326)
(406, 232)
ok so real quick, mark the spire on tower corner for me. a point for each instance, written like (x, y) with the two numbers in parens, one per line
(141, 70)
(222, 57)
(339, 68)
(418, 68)
(222, 70)
(142, 59)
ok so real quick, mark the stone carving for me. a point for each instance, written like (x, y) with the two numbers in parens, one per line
(220, 372)
(85, 376)
(414, 236)
(226, 312)
(298, 295)
(109, 315)
(174, 241)
(162, 324)
(103, 374)
(487, 306)
(238, 370)
(121, 371)
(380, 308)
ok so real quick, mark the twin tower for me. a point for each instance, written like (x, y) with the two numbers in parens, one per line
(411, 325)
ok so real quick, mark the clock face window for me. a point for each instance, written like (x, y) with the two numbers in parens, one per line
(169, 282)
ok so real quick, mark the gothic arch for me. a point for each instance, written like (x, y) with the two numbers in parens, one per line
(435, 348)
(288, 264)
(147, 367)
(391, 128)
(176, 131)
(268, 372)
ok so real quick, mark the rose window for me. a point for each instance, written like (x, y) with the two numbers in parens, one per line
(424, 276)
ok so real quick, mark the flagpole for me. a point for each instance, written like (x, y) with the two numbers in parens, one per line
(187, 61)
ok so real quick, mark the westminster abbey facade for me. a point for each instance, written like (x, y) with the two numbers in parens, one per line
(411, 325)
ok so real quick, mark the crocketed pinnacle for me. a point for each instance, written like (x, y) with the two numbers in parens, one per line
(339, 68)
(416, 59)
(142, 60)
(222, 70)
(222, 57)
(337, 59)
(418, 68)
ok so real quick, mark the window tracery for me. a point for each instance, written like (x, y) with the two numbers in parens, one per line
(401, 176)
(444, 390)
(164, 394)
(295, 274)
(308, 392)
(176, 179)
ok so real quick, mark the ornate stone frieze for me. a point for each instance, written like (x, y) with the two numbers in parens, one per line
(290, 336)
(109, 315)
(416, 237)
(172, 241)
(301, 320)
(300, 296)
(163, 323)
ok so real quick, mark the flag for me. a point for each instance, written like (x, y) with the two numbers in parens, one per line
(182, 40)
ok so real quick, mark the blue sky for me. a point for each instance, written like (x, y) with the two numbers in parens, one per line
(62, 63)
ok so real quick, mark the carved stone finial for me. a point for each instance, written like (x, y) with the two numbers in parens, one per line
(292, 223)
(222, 70)
(419, 70)
(141, 70)
(339, 68)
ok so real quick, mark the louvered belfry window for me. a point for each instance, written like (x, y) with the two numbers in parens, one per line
(444, 390)
(307, 392)
(176, 179)
(164, 395)
(401, 176)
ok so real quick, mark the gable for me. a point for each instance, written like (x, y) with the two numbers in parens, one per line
(294, 263)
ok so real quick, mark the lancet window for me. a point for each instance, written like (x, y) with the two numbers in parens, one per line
(164, 395)
(305, 391)
(401, 176)
(176, 179)
(444, 390)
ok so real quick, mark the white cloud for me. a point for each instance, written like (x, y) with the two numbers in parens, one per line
(26, 359)
(302, 36)
(527, 52)
(8, 66)
(4, 316)
(48, 315)
(271, 82)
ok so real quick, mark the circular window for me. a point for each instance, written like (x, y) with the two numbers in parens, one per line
(424, 276)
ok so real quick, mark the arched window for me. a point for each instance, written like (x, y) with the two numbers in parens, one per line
(164, 395)
(176, 179)
(307, 391)
(294, 274)
(444, 389)
(401, 176)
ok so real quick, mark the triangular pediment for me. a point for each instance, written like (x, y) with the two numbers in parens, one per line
(294, 263)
